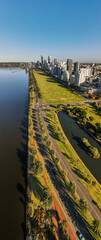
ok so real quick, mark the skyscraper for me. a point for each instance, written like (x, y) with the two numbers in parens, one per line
(41, 59)
(49, 59)
(55, 61)
(76, 67)
(69, 65)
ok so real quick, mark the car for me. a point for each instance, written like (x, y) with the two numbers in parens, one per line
(81, 236)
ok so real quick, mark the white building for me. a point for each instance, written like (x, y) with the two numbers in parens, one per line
(83, 75)
(65, 76)
(86, 72)
(63, 65)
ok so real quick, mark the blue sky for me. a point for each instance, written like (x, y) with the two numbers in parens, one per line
(60, 28)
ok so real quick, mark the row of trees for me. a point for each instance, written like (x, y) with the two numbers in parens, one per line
(39, 222)
(37, 89)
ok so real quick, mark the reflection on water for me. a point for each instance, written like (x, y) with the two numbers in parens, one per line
(74, 133)
(13, 152)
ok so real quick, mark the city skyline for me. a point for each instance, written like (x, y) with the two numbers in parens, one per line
(62, 29)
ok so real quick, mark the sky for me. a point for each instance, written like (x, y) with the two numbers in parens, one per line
(60, 28)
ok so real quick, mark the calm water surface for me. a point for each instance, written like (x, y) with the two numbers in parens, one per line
(74, 133)
(13, 152)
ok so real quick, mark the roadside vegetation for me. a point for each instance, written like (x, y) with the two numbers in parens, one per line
(92, 151)
(52, 91)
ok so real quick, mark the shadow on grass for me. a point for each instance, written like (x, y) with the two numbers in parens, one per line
(80, 174)
(36, 187)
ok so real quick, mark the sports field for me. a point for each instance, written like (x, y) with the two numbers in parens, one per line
(53, 91)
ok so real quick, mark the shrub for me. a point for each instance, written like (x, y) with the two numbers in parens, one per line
(47, 199)
(96, 225)
(83, 205)
(45, 138)
(91, 118)
(37, 168)
(72, 187)
(93, 183)
(57, 160)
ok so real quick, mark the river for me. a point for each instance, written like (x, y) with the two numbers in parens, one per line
(13, 152)
(74, 133)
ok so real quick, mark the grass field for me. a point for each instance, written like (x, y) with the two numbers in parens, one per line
(54, 92)
(73, 159)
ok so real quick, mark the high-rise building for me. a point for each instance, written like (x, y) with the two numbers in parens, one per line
(41, 59)
(69, 65)
(82, 75)
(49, 59)
(55, 61)
(76, 67)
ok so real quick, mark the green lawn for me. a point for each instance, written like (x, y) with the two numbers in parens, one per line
(54, 92)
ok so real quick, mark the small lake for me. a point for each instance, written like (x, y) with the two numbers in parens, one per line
(13, 152)
(74, 133)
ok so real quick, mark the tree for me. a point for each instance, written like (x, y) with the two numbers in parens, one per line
(91, 118)
(64, 173)
(34, 151)
(93, 183)
(96, 225)
(47, 199)
(43, 131)
(52, 152)
(48, 143)
(72, 187)
(37, 168)
(64, 224)
(57, 160)
(83, 205)
(45, 138)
